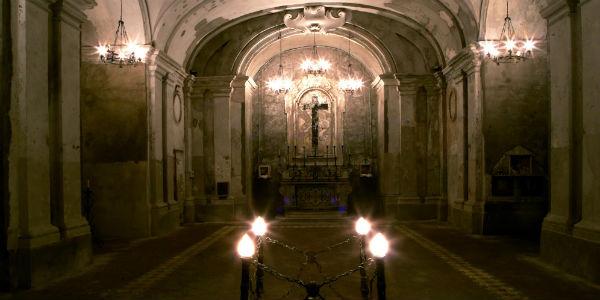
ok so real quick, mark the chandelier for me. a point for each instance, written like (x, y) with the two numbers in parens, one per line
(279, 84)
(351, 84)
(122, 51)
(315, 65)
(507, 49)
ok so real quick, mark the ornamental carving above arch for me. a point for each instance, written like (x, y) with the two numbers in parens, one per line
(317, 19)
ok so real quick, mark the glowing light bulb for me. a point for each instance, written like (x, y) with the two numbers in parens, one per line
(379, 246)
(306, 65)
(323, 64)
(489, 48)
(140, 52)
(529, 45)
(102, 50)
(259, 226)
(362, 226)
(245, 247)
(510, 44)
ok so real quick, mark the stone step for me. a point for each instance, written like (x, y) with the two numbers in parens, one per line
(314, 216)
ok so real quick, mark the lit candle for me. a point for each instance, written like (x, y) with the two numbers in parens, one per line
(259, 228)
(379, 247)
(363, 227)
(245, 249)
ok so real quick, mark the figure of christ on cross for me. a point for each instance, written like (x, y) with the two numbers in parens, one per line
(315, 106)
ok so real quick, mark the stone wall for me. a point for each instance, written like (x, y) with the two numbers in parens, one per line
(516, 108)
(114, 139)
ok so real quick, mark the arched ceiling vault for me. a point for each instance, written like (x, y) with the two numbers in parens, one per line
(179, 26)
(381, 44)
(266, 47)
(450, 22)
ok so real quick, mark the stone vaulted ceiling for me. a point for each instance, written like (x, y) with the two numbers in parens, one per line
(178, 26)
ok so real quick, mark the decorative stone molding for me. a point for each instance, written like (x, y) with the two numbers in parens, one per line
(467, 60)
(556, 9)
(317, 19)
(216, 85)
(163, 64)
(385, 80)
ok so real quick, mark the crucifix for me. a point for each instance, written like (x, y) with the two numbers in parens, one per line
(315, 106)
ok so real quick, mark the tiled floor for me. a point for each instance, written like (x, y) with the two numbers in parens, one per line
(428, 260)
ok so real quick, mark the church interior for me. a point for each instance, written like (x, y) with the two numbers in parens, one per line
(224, 149)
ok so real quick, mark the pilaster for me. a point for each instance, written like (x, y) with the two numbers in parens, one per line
(466, 169)
(44, 160)
(66, 120)
(167, 155)
(386, 88)
(571, 231)
(226, 161)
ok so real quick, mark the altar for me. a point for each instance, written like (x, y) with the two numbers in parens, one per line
(315, 186)
(316, 172)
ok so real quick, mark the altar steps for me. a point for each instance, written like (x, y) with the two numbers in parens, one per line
(313, 216)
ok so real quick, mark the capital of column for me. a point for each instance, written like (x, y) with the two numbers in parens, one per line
(219, 86)
(468, 60)
(164, 66)
(71, 11)
(389, 79)
(554, 10)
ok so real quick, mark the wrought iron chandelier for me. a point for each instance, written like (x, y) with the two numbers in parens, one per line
(315, 65)
(508, 49)
(280, 84)
(122, 51)
(350, 84)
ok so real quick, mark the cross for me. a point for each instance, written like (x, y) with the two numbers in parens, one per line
(315, 106)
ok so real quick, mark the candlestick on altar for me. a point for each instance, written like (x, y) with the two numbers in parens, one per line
(327, 156)
(287, 157)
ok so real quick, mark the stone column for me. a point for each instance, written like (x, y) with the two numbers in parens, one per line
(574, 217)
(408, 142)
(222, 145)
(589, 227)
(44, 158)
(389, 137)
(65, 124)
(157, 78)
(563, 210)
(189, 209)
(29, 170)
(432, 122)
(237, 129)
(166, 134)
(476, 154)
(465, 161)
